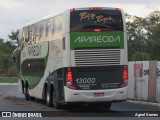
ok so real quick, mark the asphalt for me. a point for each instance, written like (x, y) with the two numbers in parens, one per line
(144, 103)
(130, 101)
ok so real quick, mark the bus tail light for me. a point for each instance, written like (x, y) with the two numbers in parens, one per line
(97, 30)
(118, 9)
(72, 9)
(69, 75)
(125, 76)
(70, 83)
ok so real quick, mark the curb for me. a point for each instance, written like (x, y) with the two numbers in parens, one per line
(144, 103)
(8, 83)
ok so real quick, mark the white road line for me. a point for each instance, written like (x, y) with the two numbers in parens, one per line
(8, 83)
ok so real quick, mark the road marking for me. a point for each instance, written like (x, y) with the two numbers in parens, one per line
(8, 83)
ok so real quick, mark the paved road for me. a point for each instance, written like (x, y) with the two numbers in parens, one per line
(12, 100)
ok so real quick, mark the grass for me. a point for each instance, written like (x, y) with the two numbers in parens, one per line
(8, 80)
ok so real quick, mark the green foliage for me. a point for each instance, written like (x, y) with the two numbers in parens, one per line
(140, 56)
(6, 49)
(12, 71)
(14, 35)
(144, 37)
(8, 80)
(5, 61)
(156, 32)
(153, 46)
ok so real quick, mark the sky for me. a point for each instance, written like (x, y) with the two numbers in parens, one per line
(15, 13)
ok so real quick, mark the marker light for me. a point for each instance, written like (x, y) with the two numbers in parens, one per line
(97, 30)
(118, 9)
(95, 8)
(72, 9)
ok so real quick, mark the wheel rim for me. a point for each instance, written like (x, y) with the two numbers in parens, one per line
(48, 97)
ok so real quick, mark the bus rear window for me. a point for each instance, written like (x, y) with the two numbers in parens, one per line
(96, 20)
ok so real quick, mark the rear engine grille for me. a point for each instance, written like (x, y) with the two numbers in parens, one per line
(97, 57)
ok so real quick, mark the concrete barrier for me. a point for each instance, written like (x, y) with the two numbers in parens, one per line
(144, 81)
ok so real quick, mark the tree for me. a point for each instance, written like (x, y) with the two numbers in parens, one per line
(14, 37)
(156, 32)
(144, 36)
(6, 50)
(136, 35)
(154, 43)
(140, 56)
(150, 22)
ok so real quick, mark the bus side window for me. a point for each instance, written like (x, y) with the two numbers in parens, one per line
(47, 30)
(58, 27)
(26, 37)
(53, 29)
(33, 67)
(34, 34)
(41, 31)
(37, 33)
(30, 32)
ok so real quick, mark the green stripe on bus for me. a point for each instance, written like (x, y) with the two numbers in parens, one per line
(32, 80)
(96, 39)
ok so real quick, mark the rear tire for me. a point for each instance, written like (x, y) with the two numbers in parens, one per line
(22, 87)
(49, 97)
(55, 103)
(26, 93)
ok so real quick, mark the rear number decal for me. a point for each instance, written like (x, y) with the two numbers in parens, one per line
(85, 80)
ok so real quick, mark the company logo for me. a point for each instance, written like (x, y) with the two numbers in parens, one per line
(97, 39)
(21, 114)
(6, 114)
(34, 50)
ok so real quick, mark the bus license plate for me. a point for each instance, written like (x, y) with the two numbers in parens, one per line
(98, 94)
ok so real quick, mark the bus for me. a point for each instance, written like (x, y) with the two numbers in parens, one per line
(75, 56)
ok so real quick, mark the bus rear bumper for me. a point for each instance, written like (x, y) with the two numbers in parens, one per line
(119, 94)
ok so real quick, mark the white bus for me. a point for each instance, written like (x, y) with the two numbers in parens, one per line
(76, 56)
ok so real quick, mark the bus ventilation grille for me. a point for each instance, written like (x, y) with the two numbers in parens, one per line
(98, 57)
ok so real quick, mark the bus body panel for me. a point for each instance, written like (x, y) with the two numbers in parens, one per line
(88, 96)
(91, 48)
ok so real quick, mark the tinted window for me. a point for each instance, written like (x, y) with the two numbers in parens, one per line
(33, 67)
(57, 28)
(89, 20)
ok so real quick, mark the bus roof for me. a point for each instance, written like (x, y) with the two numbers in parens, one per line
(96, 8)
(58, 13)
(42, 19)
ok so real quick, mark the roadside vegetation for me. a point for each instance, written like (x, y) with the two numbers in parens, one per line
(8, 80)
(144, 37)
